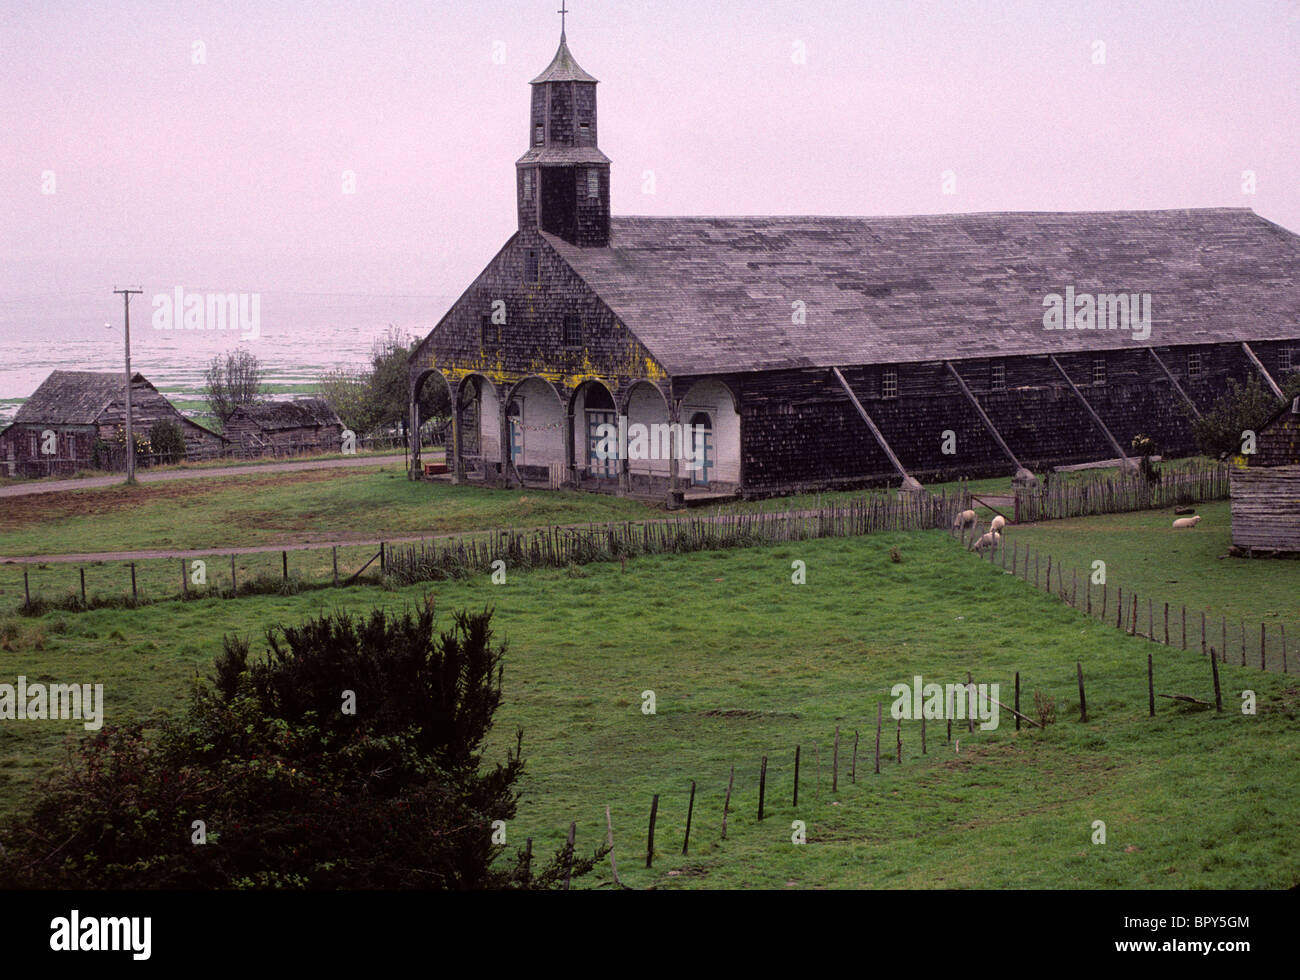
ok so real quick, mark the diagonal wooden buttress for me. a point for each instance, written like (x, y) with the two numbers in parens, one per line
(1021, 472)
(1114, 444)
(1173, 381)
(1262, 370)
(908, 482)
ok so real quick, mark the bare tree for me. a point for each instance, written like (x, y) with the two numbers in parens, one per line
(230, 381)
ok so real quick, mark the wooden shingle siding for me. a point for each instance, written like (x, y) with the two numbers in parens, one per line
(1266, 510)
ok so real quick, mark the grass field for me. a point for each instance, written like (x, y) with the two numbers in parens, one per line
(1143, 553)
(744, 664)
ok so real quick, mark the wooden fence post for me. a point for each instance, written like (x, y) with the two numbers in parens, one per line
(1184, 627)
(83, 585)
(568, 854)
(762, 786)
(234, 585)
(1166, 624)
(835, 762)
(1218, 694)
(650, 840)
(690, 812)
(796, 777)
(1203, 643)
(900, 741)
(185, 582)
(726, 804)
(1017, 700)
(1083, 701)
(923, 733)
(878, 718)
(1133, 617)
(854, 775)
(27, 592)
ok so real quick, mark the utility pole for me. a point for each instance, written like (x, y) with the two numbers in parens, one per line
(130, 439)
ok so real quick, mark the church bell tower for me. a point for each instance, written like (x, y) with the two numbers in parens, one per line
(563, 180)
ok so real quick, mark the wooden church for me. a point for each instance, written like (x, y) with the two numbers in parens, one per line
(836, 352)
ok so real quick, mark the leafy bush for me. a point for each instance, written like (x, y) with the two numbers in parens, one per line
(1243, 406)
(293, 789)
(168, 441)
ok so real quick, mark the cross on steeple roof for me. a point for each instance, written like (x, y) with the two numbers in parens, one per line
(562, 12)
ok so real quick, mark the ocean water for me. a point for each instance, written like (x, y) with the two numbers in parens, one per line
(300, 336)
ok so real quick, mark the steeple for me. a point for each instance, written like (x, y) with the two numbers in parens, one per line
(563, 179)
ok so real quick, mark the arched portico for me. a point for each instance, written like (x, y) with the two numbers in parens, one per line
(711, 408)
(415, 419)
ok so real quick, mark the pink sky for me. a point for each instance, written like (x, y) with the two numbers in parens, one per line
(228, 175)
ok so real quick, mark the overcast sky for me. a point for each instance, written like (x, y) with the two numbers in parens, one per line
(228, 174)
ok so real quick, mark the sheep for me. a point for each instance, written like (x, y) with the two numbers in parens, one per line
(965, 519)
(990, 540)
(1187, 521)
(998, 523)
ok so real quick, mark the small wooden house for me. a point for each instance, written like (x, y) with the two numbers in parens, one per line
(1266, 491)
(77, 420)
(305, 425)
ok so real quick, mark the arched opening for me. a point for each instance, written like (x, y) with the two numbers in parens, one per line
(651, 441)
(477, 438)
(592, 409)
(536, 426)
(430, 425)
(712, 402)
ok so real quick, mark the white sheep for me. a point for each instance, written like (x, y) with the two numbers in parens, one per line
(965, 519)
(998, 523)
(1187, 521)
(990, 540)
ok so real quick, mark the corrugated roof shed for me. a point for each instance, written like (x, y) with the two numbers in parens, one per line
(709, 295)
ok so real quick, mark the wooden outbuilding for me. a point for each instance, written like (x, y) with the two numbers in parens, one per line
(302, 426)
(1266, 490)
(76, 420)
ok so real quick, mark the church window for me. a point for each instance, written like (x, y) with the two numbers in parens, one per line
(491, 336)
(593, 184)
(539, 134)
(1099, 370)
(572, 331)
(532, 269)
(1284, 363)
(528, 185)
(1194, 365)
(584, 134)
(889, 383)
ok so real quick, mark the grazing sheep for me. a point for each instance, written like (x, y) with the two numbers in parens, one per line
(998, 523)
(965, 519)
(1187, 521)
(990, 540)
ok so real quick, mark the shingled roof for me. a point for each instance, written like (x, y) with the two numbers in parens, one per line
(563, 68)
(708, 295)
(298, 414)
(74, 397)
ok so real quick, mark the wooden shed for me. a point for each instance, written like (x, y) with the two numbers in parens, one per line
(1266, 491)
(76, 420)
(305, 425)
